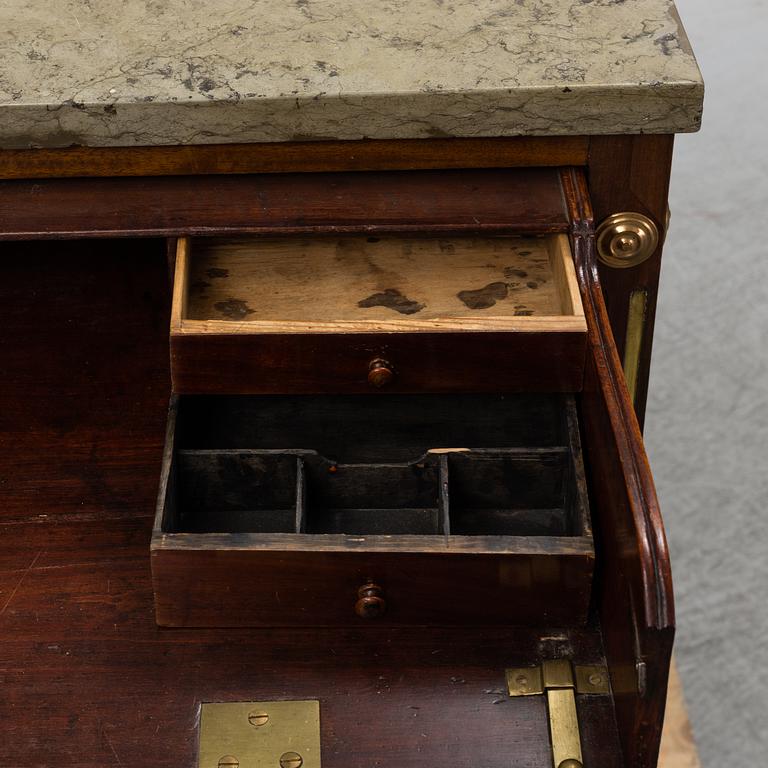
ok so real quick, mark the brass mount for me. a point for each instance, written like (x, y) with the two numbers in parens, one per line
(626, 239)
(560, 681)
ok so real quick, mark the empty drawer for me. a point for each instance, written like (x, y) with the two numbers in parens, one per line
(356, 313)
(431, 509)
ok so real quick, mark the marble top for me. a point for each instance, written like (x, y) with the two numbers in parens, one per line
(150, 72)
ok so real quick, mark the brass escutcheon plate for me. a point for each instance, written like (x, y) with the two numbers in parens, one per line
(254, 734)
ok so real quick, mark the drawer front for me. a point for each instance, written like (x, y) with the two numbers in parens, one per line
(350, 363)
(361, 314)
(224, 586)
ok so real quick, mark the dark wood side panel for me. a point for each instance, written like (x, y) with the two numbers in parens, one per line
(526, 200)
(423, 362)
(298, 157)
(634, 584)
(83, 324)
(631, 173)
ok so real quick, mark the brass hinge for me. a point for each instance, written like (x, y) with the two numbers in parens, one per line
(560, 681)
(283, 734)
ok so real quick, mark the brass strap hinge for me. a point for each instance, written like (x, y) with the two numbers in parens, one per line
(560, 681)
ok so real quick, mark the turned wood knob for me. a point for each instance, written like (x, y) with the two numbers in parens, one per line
(370, 602)
(380, 373)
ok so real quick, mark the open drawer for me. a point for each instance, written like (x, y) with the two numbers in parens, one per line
(406, 509)
(361, 513)
(356, 313)
(322, 515)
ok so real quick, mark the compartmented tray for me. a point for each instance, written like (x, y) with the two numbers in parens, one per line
(315, 314)
(480, 498)
(493, 492)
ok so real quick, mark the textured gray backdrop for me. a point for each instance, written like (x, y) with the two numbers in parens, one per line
(707, 423)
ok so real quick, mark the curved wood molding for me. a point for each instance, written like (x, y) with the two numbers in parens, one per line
(635, 596)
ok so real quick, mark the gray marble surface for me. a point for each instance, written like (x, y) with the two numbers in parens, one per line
(148, 72)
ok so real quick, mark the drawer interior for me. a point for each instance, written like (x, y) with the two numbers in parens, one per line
(467, 465)
(363, 283)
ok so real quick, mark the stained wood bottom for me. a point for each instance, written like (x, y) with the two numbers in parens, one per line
(368, 279)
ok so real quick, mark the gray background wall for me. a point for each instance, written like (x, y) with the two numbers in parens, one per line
(707, 422)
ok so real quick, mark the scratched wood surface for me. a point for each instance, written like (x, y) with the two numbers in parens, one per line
(87, 677)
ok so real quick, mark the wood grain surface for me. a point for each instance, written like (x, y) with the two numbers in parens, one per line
(393, 283)
(84, 404)
(519, 353)
(635, 593)
(627, 173)
(298, 156)
(523, 200)
(88, 678)
(631, 173)
(510, 574)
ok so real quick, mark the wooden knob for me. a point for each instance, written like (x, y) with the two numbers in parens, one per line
(370, 602)
(380, 373)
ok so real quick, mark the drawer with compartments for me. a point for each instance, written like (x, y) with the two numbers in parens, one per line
(448, 509)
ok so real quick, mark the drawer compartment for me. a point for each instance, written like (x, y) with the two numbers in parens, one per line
(356, 313)
(374, 499)
(513, 493)
(455, 508)
(239, 491)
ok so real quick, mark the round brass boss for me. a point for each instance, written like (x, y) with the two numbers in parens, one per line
(626, 239)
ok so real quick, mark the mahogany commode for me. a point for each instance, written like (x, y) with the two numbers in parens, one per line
(402, 474)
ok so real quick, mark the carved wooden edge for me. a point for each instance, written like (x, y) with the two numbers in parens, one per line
(635, 595)
(657, 575)
(286, 157)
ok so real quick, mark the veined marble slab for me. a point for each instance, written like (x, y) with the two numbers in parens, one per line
(149, 72)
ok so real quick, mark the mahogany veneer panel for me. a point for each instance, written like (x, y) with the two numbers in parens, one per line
(81, 652)
(88, 678)
(504, 200)
(295, 156)
(634, 595)
(631, 173)
(78, 645)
